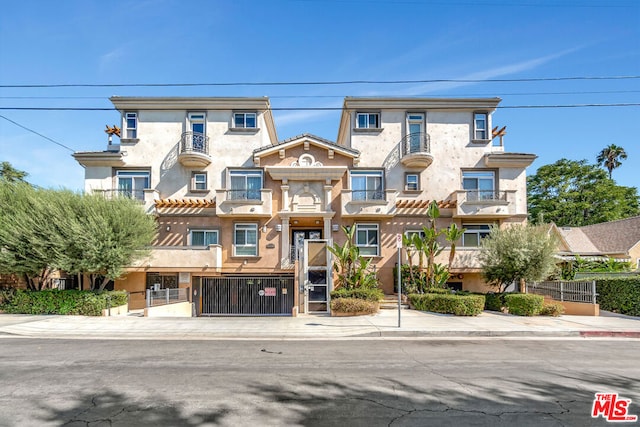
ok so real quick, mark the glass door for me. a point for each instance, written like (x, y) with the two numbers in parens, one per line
(415, 123)
(317, 268)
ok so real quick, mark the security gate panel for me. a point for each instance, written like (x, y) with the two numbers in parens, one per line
(247, 296)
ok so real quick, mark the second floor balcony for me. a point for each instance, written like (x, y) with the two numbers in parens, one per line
(194, 150)
(368, 203)
(485, 203)
(244, 202)
(416, 150)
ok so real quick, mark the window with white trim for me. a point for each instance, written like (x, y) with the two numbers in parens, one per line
(245, 185)
(245, 239)
(131, 125)
(480, 129)
(368, 120)
(474, 234)
(244, 120)
(411, 182)
(132, 183)
(203, 237)
(480, 185)
(199, 181)
(367, 185)
(367, 239)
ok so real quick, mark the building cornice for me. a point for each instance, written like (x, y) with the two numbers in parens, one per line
(508, 160)
(190, 103)
(383, 103)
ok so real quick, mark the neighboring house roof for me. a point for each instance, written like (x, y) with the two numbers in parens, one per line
(604, 238)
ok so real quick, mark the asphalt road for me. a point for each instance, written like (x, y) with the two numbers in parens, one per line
(313, 383)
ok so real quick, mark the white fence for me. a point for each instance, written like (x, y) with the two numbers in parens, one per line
(584, 291)
(167, 296)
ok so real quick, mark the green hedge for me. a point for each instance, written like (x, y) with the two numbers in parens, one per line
(373, 295)
(524, 304)
(494, 301)
(460, 305)
(354, 305)
(554, 309)
(86, 303)
(620, 295)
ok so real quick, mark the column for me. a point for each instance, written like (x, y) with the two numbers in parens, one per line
(285, 250)
(285, 196)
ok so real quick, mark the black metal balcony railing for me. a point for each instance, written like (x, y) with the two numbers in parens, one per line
(193, 142)
(367, 195)
(417, 142)
(243, 194)
(488, 195)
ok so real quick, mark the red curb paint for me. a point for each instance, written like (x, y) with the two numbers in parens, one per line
(620, 334)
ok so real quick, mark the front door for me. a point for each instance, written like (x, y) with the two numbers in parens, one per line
(317, 275)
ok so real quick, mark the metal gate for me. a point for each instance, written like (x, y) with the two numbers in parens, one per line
(247, 296)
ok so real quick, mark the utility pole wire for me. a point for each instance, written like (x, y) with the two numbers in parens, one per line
(38, 133)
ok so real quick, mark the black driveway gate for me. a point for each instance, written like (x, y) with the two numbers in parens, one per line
(247, 296)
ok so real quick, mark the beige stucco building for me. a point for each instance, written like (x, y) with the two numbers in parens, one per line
(235, 205)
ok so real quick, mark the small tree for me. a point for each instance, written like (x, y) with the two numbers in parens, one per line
(353, 270)
(517, 254)
(10, 174)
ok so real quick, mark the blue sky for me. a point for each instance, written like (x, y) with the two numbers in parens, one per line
(190, 41)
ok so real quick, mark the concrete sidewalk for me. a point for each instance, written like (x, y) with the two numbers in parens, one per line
(384, 324)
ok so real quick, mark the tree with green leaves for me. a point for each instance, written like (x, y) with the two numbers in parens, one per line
(575, 193)
(517, 254)
(46, 230)
(11, 174)
(353, 270)
(610, 157)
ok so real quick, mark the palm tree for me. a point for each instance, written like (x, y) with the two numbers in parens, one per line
(610, 156)
(453, 234)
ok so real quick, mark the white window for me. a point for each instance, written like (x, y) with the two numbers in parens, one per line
(132, 183)
(367, 185)
(480, 185)
(245, 185)
(131, 129)
(474, 233)
(245, 240)
(367, 239)
(199, 181)
(480, 126)
(411, 182)
(204, 237)
(244, 120)
(368, 120)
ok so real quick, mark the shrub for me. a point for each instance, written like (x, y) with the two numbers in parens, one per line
(494, 301)
(619, 295)
(86, 303)
(460, 305)
(524, 304)
(438, 291)
(367, 294)
(554, 309)
(354, 305)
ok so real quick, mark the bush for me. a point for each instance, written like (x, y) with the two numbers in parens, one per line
(619, 295)
(554, 309)
(354, 305)
(524, 304)
(367, 294)
(494, 301)
(86, 303)
(460, 305)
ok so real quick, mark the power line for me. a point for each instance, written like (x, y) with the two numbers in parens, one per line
(342, 96)
(319, 83)
(38, 133)
(629, 104)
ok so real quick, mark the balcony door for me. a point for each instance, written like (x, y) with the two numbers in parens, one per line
(198, 129)
(415, 124)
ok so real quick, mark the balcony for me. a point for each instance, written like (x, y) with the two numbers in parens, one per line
(485, 203)
(182, 258)
(244, 203)
(146, 196)
(416, 150)
(194, 150)
(368, 203)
